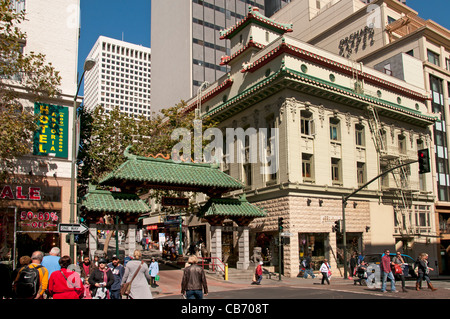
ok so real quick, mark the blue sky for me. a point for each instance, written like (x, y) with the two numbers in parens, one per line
(112, 17)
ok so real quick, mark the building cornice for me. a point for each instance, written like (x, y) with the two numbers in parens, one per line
(288, 78)
(284, 47)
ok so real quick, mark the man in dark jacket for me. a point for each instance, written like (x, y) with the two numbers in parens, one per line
(117, 270)
(194, 280)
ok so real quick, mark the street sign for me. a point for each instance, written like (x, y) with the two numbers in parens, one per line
(175, 201)
(72, 228)
(286, 234)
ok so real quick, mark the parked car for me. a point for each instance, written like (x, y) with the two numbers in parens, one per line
(408, 270)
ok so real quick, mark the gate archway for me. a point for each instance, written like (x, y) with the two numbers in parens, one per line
(139, 173)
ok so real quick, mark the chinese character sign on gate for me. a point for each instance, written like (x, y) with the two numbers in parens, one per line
(51, 137)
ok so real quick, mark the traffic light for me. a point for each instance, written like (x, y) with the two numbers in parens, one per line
(337, 226)
(280, 224)
(424, 161)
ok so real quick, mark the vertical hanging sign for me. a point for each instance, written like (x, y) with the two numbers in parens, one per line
(51, 137)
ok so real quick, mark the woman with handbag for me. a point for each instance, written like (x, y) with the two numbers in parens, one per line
(136, 277)
(397, 269)
(64, 283)
(101, 281)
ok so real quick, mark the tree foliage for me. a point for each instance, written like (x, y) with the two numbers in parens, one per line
(24, 79)
(105, 136)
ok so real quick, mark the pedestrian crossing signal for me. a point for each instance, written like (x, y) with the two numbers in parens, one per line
(424, 161)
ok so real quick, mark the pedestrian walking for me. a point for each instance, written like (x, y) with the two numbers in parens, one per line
(139, 286)
(65, 283)
(118, 271)
(325, 270)
(423, 272)
(353, 265)
(51, 261)
(386, 271)
(307, 263)
(258, 274)
(399, 264)
(31, 281)
(154, 271)
(193, 283)
(101, 281)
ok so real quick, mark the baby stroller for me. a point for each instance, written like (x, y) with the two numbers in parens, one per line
(361, 274)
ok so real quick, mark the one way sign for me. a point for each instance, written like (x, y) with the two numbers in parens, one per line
(72, 228)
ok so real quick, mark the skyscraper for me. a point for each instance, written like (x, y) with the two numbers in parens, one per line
(121, 77)
(186, 44)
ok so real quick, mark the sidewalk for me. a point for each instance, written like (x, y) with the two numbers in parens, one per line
(170, 284)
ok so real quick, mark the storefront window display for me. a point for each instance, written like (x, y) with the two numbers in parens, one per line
(314, 244)
(29, 220)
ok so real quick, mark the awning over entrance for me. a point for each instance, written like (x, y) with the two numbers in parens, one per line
(158, 173)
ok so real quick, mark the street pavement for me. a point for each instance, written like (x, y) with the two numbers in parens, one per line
(294, 288)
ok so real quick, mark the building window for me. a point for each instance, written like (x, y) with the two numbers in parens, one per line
(336, 171)
(359, 135)
(306, 123)
(433, 58)
(334, 129)
(402, 144)
(361, 173)
(307, 167)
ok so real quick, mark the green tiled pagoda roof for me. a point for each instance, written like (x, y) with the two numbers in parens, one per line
(253, 15)
(158, 172)
(114, 202)
(230, 207)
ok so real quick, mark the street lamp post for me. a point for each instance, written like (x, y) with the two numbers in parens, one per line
(88, 65)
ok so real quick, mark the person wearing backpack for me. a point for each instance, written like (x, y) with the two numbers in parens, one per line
(32, 280)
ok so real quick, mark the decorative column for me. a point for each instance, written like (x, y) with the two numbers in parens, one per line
(92, 240)
(216, 242)
(244, 248)
(130, 241)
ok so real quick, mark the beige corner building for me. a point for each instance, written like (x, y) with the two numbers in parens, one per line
(34, 199)
(332, 126)
(392, 38)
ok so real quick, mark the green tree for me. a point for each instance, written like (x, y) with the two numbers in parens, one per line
(22, 76)
(105, 136)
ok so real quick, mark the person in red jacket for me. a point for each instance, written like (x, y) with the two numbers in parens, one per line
(65, 283)
(258, 274)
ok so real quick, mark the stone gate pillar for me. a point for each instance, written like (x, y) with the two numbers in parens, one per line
(92, 240)
(130, 241)
(244, 248)
(216, 242)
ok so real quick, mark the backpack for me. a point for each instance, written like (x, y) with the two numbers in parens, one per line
(26, 284)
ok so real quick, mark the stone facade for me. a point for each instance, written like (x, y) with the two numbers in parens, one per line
(339, 125)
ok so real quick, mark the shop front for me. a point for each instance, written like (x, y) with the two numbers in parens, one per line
(314, 245)
(29, 217)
